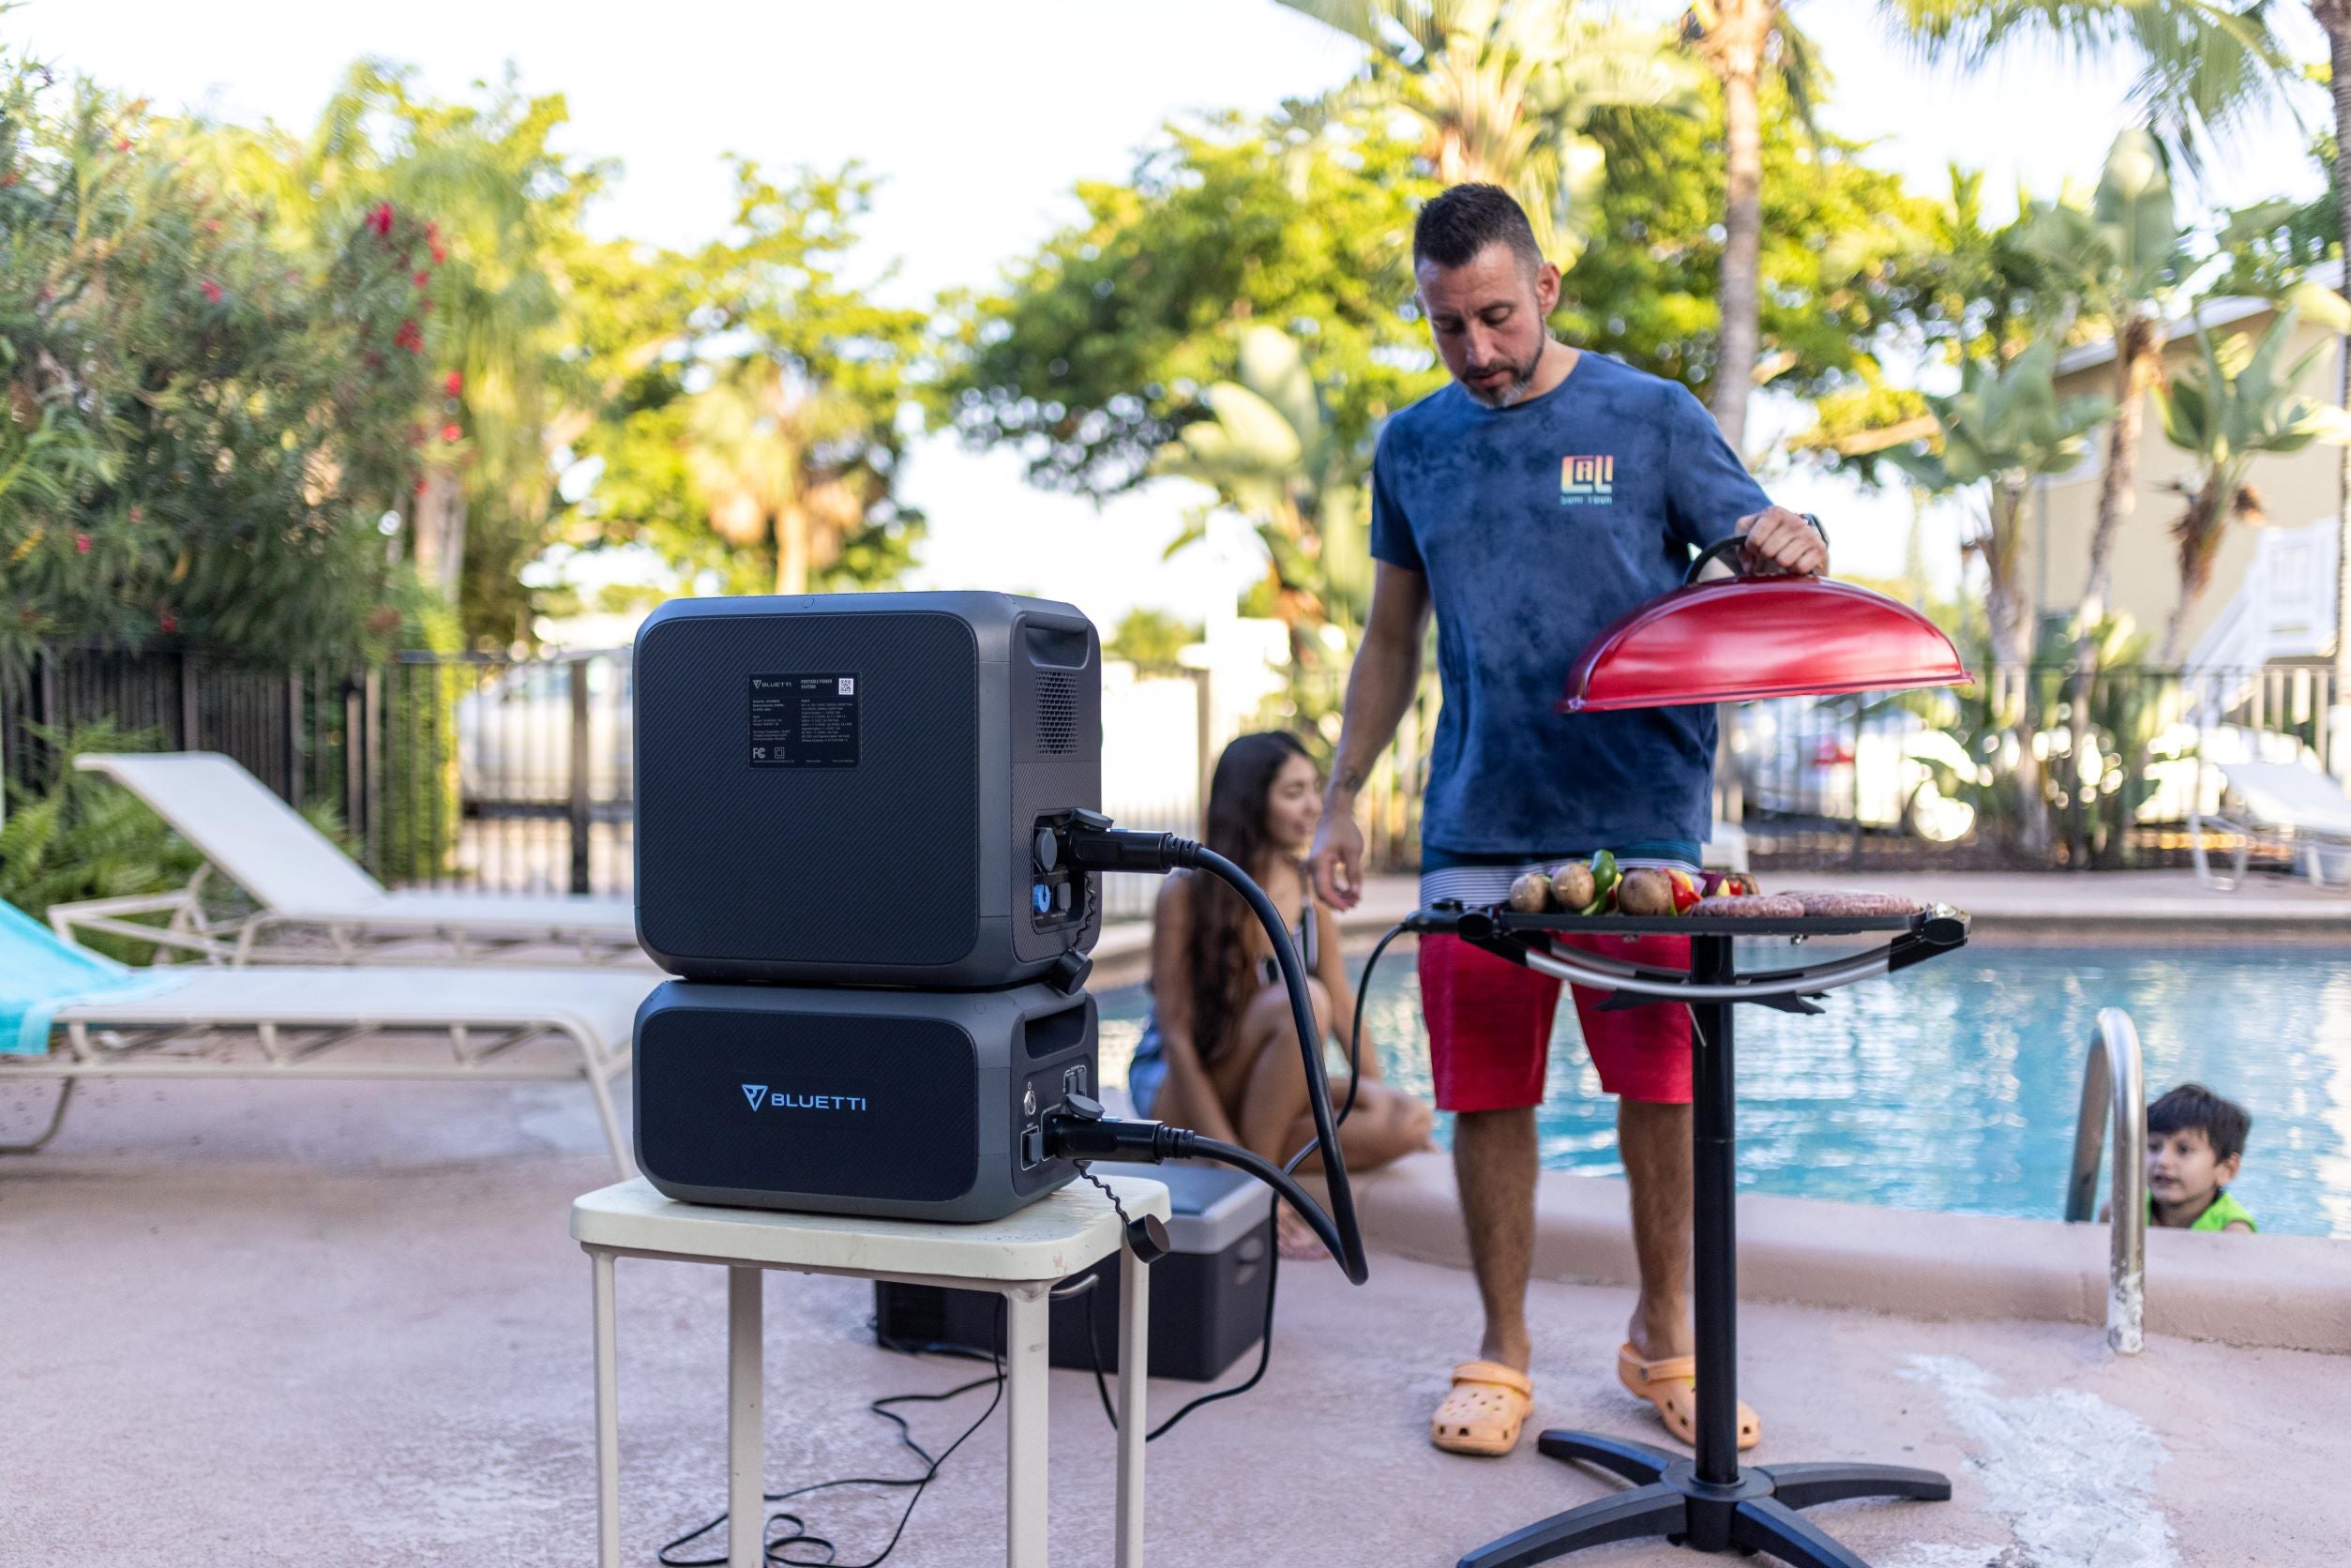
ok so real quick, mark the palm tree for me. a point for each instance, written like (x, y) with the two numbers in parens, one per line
(2118, 261)
(1739, 41)
(775, 459)
(1499, 91)
(2005, 427)
(1271, 450)
(2206, 66)
(2233, 405)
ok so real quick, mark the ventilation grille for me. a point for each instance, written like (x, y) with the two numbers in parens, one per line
(1056, 713)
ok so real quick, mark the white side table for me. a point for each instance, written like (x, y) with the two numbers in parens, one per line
(1021, 1257)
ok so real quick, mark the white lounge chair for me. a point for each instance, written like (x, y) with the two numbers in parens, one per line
(302, 882)
(194, 1021)
(2283, 805)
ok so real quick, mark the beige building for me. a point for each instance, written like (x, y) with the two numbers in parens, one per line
(2272, 598)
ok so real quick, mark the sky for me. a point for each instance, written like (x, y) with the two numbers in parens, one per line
(978, 120)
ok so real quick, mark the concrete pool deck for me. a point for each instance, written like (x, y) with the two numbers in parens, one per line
(342, 1324)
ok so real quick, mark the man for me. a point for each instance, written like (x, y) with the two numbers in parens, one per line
(1530, 503)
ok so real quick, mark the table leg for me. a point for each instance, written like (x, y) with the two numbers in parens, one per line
(607, 1418)
(1026, 1324)
(1134, 1423)
(747, 1509)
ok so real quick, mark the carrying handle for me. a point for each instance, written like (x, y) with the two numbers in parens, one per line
(1738, 542)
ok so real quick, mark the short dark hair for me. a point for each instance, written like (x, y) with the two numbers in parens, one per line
(2193, 1108)
(1456, 225)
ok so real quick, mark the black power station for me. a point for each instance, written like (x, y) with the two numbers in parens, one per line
(839, 801)
(860, 1102)
(845, 790)
(868, 841)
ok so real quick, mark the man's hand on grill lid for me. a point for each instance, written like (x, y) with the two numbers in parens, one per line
(1783, 543)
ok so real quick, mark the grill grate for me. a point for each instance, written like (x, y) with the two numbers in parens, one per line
(1056, 713)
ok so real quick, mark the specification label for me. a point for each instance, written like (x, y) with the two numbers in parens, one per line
(804, 721)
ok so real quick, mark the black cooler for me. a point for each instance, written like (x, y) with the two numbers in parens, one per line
(1207, 1296)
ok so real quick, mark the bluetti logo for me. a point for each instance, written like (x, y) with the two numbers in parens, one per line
(759, 1096)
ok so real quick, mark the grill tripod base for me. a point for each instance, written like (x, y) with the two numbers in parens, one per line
(1756, 1513)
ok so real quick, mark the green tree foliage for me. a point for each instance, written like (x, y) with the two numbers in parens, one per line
(2206, 66)
(79, 836)
(2005, 427)
(202, 426)
(1502, 91)
(751, 396)
(1840, 252)
(1150, 640)
(1100, 345)
(494, 239)
(1271, 452)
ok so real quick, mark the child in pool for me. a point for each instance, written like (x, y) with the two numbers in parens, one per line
(2194, 1142)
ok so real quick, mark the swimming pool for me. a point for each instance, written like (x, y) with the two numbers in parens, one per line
(1955, 1085)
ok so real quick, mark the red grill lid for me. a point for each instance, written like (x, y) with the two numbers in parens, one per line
(1743, 637)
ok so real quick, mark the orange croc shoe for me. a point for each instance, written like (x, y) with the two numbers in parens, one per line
(1488, 1404)
(1672, 1386)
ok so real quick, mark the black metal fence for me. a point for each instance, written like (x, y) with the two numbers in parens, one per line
(512, 776)
(2046, 773)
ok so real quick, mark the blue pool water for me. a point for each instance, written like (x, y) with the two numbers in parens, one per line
(1955, 1085)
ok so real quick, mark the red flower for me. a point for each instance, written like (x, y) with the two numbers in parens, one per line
(438, 254)
(423, 278)
(420, 486)
(123, 145)
(433, 231)
(450, 433)
(167, 622)
(212, 291)
(138, 514)
(456, 384)
(212, 225)
(409, 337)
(82, 543)
(381, 220)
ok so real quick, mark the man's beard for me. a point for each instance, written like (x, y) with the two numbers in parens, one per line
(1511, 391)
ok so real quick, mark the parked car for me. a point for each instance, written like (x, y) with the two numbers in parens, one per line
(514, 731)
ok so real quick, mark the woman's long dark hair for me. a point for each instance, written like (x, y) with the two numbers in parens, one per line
(1223, 978)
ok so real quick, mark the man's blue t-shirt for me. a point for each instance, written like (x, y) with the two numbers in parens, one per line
(1536, 525)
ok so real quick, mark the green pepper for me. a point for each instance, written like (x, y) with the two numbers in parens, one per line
(1605, 876)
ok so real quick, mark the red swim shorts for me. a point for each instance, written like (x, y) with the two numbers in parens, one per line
(1489, 1026)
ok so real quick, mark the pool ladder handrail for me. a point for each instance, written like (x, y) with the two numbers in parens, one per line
(2113, 1090)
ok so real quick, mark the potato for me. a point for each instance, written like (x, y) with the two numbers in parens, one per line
(1645, 892)
(1572, 886)
(1528, 894)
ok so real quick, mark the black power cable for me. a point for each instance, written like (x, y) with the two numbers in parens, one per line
(1273, 1281)
(771, 1549)
(1090, 842)
(1338, 1229)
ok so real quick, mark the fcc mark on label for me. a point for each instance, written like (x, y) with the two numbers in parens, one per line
(803, 720)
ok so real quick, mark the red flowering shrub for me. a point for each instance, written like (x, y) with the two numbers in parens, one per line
(178, 468)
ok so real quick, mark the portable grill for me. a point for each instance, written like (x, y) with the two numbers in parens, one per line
(1722, 642)
(1710, 1504)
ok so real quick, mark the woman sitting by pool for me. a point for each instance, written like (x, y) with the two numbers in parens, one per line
(1220, 1052)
